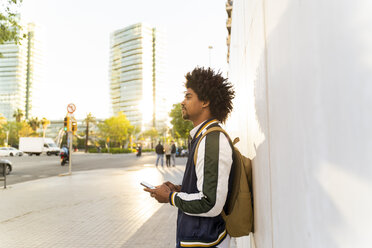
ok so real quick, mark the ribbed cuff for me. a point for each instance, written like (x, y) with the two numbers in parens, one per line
(172, 195)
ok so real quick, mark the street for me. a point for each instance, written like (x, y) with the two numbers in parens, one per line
(27, 168)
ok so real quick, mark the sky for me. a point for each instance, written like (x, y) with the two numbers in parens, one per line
(76, 46)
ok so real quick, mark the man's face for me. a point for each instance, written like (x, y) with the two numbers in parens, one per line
(191, 105)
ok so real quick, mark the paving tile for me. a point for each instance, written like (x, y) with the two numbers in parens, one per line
(158, 231)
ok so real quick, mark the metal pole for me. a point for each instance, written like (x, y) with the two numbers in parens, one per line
(210, 50)
(69, 134)
(7, 137)
(4, 174)
(4, 170)
(70, 151)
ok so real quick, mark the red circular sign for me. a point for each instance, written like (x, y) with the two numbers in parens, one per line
(71, 108)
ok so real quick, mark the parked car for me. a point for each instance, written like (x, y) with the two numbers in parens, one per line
(10, 151)
(8, 168)
(15, 152)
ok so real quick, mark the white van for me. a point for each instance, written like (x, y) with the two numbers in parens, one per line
(37, 146)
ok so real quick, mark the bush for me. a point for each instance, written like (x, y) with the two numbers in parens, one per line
(120, 150)
(92, 150)
(114, 150)
(148, 150)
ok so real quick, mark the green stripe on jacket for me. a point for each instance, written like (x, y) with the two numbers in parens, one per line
(211, 157)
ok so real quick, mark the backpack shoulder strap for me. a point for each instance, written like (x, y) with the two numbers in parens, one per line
(210, 130)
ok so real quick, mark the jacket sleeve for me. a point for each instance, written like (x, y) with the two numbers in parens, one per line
(212, 168)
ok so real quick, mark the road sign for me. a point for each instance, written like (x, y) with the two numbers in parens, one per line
(71, 108)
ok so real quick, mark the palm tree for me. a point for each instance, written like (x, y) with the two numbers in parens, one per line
(45, 123)
(34, 123)
(18, 114)
(89, 119)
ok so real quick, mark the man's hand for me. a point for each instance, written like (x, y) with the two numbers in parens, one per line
(160, 193)
(174, 188)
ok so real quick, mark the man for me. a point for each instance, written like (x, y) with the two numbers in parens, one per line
(65, 150)
(204, 190)
(173, 153)
(159, 149)
(167, 150)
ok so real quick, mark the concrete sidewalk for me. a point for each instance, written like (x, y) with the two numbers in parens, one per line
(100, 208)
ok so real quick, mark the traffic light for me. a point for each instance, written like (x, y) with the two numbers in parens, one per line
(65, 123)
(74, 127)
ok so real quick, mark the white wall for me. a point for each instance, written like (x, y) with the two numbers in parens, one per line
(302, 71)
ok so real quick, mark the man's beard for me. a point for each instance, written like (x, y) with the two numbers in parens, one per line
(185, 116)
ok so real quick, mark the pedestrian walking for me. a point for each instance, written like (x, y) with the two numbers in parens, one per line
(167, 149)
(205, 186)
(173, 153)
(159, 149)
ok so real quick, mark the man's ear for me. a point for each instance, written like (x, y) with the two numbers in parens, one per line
(205, 104)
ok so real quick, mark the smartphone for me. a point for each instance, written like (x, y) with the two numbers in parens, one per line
(147, 185)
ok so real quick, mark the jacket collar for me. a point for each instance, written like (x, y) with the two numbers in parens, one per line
(196, 131)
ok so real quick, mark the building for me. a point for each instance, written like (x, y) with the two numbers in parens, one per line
(302, 74)
(137, 75)
(34, 72)
(20, 75)
(229, 7)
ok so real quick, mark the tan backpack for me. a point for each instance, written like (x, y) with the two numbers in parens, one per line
(238, 213)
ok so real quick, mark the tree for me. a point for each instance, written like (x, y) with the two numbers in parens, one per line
(16, 130)
(9, 26)
(18, 114)
(34, 123)
(152, 134)
(181, 127)
(44, 123)
(134, 132)
(3, 122)
(116, 129)
(89, 119)
(25, 130)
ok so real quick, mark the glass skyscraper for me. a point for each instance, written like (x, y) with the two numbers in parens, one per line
(137, 75)
(20, 75)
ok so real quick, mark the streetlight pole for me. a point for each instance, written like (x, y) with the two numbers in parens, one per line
(210, 51)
